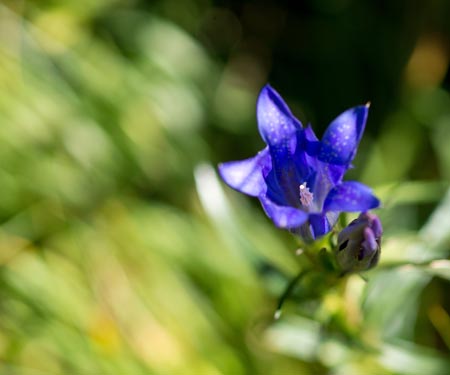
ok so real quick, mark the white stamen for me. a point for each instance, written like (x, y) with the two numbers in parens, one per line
(306, 197)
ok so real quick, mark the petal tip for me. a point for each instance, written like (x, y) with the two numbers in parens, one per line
(351, 196)
(342, 137)
(246, 175)
(283, 217)
(276, 123)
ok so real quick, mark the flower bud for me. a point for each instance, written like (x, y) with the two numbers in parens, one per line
(359, 244)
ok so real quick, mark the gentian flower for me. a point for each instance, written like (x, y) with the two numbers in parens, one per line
(359, 244)
(296, 177)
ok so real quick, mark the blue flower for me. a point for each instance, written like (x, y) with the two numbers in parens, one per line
(296, 177)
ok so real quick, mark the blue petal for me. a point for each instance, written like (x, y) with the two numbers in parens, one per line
(342, 137)
(276, 123)
(350, 196)
(283, 216)
(319, 225)
(326, 177)
(309, 141)
(309, 134)
(247, 175)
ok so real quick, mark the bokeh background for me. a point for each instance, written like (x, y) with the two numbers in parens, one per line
(120, 250)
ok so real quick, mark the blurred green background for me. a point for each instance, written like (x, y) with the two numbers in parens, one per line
(122, 253)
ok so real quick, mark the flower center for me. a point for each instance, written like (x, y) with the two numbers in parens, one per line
(306, 197)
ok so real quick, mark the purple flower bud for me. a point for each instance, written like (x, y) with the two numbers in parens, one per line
(359, 244)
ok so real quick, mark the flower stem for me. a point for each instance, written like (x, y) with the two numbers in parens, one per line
(287, 292)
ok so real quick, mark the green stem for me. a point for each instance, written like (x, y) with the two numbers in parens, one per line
(287, 292)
